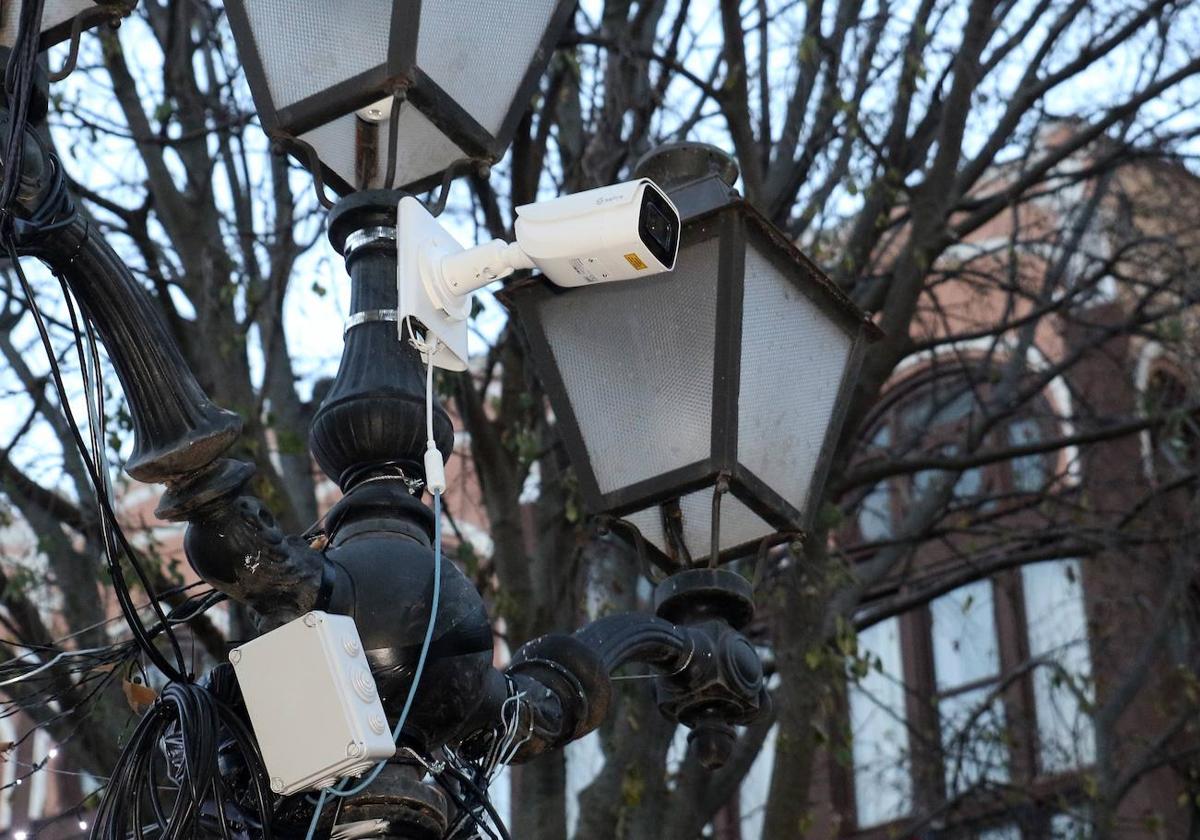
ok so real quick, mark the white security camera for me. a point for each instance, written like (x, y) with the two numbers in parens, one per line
(612, 233)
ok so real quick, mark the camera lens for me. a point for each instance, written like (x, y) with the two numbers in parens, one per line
(658, 226)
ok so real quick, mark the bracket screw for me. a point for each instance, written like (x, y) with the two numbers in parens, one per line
(235, 656)
(354, 749)
(310, 620)
(277, 784)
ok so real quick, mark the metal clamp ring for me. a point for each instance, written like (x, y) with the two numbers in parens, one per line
(369, 316)
(366, 236)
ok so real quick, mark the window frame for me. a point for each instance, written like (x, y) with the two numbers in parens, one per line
(1016, 695)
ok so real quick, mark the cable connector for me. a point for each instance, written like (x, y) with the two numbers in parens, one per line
(435, 470)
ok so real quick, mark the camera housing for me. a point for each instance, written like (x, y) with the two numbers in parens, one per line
(599, 236)
(603, 235)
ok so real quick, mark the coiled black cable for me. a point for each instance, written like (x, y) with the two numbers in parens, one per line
(198, 717)
(166, 791)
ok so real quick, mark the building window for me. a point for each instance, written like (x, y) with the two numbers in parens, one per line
(966, 664)
(973, 699)
(1004, 832)
(933, 422)
(1062, 688)
(875, 510)
(1175, 442)
(1029, 472)
(1070, 827)
(879, 729)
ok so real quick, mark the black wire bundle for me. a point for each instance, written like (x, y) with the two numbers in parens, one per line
(197, 716)
(19, 78)
(190, 735)
(55, 212)
(190, 720)
(470, 799)
(37, 681)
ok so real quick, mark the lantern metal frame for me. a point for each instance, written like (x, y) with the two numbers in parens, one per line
(62, 20)
(738, 226)
(399, 76)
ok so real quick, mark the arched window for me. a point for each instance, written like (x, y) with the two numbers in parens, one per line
(934, 421)
(875, 510)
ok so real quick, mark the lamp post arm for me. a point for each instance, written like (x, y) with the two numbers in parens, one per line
(177, 428)
(232, 539)
(179, 433)
(709, 676)
(567, 680)
(621, 639)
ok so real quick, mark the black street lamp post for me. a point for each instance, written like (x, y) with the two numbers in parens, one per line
(368, 436)
(666, 390)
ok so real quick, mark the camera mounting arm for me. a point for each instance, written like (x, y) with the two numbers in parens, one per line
(458, 275)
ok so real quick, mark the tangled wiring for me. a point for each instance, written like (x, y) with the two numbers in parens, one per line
(188, 793)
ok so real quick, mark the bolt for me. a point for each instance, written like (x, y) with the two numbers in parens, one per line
(354, 749)
(277, 784)
(235, 656)
(310, 619)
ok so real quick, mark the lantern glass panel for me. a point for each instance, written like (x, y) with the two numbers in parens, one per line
(739, 524)
(421, 152)
(793, 362)
(457, 43)
(306, 47)
(56, 17)
(636, 360)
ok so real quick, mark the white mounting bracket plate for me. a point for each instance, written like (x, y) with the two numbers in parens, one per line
(420, 242)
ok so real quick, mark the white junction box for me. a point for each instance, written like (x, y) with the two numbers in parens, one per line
(313, 702)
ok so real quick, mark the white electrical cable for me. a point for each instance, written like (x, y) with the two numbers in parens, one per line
(435, 470)
(427, 350)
